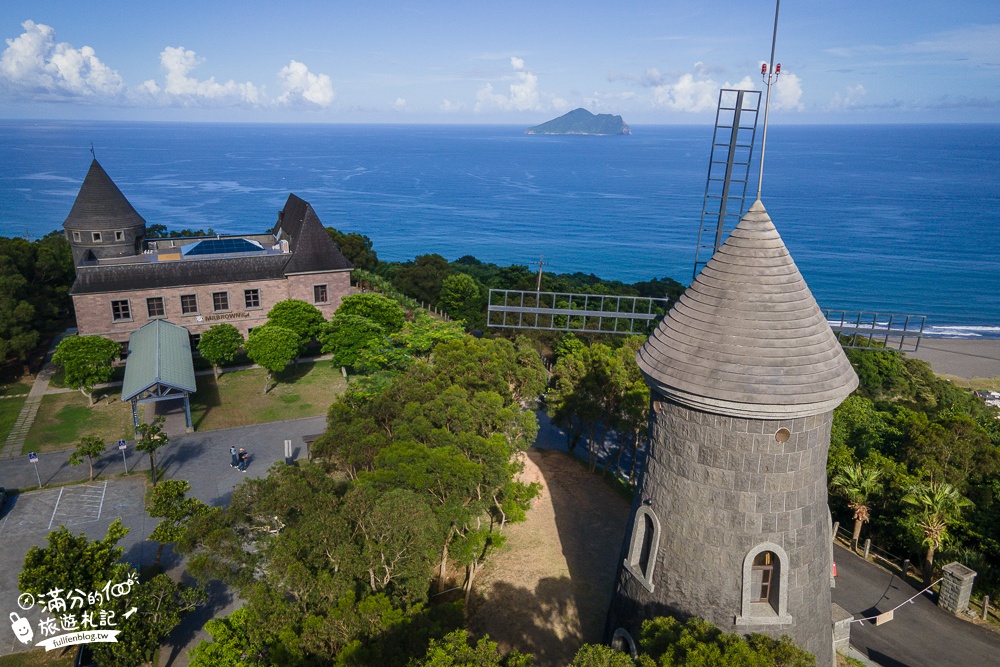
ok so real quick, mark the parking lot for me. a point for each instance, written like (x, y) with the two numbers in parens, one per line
(83, 508)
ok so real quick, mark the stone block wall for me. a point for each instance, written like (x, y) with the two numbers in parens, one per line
(721, 487)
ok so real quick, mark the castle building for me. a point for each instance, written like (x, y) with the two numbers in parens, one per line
(730, 521)
(125, 280)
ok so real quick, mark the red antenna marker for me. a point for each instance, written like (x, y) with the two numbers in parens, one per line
(768, 79)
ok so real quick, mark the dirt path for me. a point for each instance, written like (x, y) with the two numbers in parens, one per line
(548, 590)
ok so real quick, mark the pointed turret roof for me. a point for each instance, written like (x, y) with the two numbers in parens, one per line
(101, 205)
(312, 248)
(747, 338)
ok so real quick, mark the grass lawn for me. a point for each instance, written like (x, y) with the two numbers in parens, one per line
(58, 379)
(16, 388)
(64, 418)
(10, 408)
(41, 658)
(305, 390)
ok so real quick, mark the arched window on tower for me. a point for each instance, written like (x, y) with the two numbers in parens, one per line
(765, 586)
(641, 558)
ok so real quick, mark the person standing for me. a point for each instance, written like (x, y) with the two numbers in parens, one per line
(243, 460)
(235, 460)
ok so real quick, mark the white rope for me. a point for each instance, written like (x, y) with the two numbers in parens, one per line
(872, 618)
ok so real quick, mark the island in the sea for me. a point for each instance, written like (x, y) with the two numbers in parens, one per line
(581, 121)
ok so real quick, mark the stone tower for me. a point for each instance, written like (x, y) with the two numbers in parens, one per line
(102, 224)
(730, 521)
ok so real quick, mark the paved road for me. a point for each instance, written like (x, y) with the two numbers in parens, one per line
(920, 634)
(200, 458)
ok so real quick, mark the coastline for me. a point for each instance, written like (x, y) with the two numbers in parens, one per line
(961, 357)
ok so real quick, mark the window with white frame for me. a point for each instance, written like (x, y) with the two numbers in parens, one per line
(765, 586)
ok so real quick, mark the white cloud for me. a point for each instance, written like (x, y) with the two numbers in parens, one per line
(522, 93)
(851, 97)
(448, 106)
(693, 94)
(786, 93)
(35, 64)
(182, 87)
(301, 84)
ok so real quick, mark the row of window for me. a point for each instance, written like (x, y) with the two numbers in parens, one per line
(121, 309)
(764, 598)
(98, 237)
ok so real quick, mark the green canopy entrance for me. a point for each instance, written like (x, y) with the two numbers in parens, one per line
(159, 367)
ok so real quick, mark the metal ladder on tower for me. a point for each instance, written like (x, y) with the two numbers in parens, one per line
(728, 170)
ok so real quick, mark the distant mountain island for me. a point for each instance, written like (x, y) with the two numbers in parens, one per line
(581, 121)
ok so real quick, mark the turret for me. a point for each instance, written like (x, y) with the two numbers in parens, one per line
(730, 520)
(102, 223)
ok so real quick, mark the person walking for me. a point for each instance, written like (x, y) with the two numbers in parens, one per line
(235, 461)
(243, 460)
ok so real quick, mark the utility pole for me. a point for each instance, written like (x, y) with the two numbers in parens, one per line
(541, 262)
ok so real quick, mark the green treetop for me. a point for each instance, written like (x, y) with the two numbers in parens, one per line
(86, 361)
(220, 344)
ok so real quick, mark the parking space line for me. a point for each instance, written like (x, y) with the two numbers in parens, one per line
(56, 507)
(101, 508)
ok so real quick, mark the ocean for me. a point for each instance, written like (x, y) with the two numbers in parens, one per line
(894, 218)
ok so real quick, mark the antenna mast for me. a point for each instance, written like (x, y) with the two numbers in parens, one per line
(770, 75)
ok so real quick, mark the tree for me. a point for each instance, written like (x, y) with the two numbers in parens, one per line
(303, 318)
(934, 508)
(461, 298)
(272, 347)
(698, 643)
(89, 446)
(236, 642)
(857, 484)
(347, 336)
(151, 437)
(86, 361)
(169, 502)
(220, 344)
(17, 316)
(71, 562)
(422, 278)
(423, 334)
(381, 310)
(357, 248)
(454, 650)
(160, 603)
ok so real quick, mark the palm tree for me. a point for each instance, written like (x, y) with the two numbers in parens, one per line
(857, 485)
(935, 507)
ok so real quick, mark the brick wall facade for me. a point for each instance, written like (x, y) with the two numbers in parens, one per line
(94, 311)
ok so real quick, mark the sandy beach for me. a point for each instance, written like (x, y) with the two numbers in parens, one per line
(964, 358)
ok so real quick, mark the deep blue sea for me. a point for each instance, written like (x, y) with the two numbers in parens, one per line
(899, 218)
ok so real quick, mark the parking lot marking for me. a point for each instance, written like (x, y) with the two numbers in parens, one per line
(101, 508)
(55, 508)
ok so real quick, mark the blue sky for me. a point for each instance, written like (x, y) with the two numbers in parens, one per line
(499, 62)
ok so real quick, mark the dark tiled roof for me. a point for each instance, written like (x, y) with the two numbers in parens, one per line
(154, 275)
(746, 338)
(101, 205)
(312, 248)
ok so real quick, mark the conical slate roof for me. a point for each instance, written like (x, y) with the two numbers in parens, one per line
(747, 338)
(101, 205)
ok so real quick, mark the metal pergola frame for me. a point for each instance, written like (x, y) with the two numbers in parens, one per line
(570, 311)
(871, 330)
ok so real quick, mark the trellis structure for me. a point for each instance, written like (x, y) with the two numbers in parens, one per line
(580, 313)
